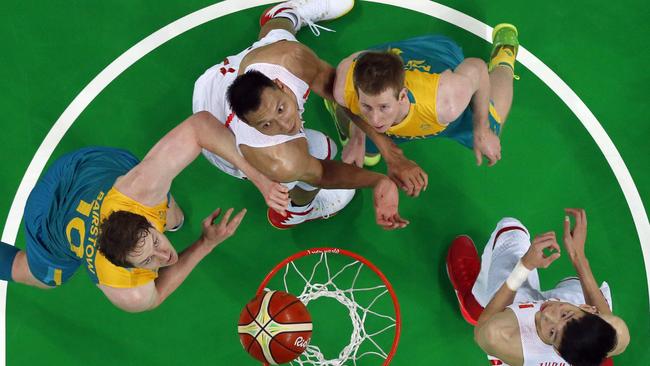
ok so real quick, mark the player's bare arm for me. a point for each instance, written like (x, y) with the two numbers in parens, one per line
(152, 294)
(406, 173)
(149, 181)
(291, 161)
(469, 84)
(574, 243)
(488, 332)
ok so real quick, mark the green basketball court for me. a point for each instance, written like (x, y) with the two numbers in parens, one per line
(53, 50)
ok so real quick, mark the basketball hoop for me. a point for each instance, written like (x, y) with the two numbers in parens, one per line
(321, 282)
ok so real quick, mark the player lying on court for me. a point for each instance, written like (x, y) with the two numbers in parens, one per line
(102, 208)
(421, 88)
(522, 325)
(259, 95)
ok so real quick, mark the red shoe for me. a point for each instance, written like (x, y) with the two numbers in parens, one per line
(283, 222)
(463, 267)
(274, 10)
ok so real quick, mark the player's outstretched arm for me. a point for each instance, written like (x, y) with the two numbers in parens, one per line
(152, 294)
(291, 161)
(469, 84)
(574, 243)
(405, 172)
(150, 180)
(494, 325)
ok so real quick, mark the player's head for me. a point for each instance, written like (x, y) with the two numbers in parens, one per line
(267, 105)
(379, 82)
(129, 240)
(578, 333)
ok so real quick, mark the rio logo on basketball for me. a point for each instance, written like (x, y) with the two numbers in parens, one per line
(275, 327)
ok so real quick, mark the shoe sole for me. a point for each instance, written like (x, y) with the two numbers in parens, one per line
(294, 225)
(344, 14)
(463, 311)
(503, 26)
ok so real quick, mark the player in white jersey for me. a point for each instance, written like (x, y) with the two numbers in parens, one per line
(519, 324)
(268, 126)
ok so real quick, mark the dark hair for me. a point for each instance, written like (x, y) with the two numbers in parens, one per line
(377, 71)
(586, 341)
(119, 235)
(245, 93)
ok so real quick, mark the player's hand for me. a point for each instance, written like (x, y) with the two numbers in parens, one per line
(487, 143)
(386, 199)
(535, 257)
(407, 174)
(354, 152)
(215, 233)
(275, 194)
(574, 240)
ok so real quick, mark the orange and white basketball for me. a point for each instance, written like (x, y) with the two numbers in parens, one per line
(275, 327)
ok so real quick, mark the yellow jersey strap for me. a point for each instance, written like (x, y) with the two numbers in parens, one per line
(422, 119)
(117, 201)
(350, 93)
(109, 274)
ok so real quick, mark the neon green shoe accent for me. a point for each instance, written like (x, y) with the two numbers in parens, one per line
(371, 160)
(504, 34)
(331, 109)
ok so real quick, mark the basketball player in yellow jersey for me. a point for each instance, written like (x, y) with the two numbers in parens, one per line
(420, 88)
(101, 208)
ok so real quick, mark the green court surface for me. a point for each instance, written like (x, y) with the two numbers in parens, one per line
(52, 50)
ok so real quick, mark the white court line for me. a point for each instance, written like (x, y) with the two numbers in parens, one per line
(571, 99)
(227, 7)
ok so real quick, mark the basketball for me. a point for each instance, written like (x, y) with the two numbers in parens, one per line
(275, 327)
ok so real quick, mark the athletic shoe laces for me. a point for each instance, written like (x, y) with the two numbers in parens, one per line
(315, 14)
(315, 28)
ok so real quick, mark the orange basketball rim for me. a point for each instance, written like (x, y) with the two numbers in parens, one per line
(312, 292)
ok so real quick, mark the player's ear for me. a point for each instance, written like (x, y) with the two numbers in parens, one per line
(279, 84)
(403, 95)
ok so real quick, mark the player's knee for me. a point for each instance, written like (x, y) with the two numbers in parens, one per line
(511, 222)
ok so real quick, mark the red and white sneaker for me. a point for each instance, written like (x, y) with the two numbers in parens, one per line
(308, 12)
(463, 267)
(326, 204)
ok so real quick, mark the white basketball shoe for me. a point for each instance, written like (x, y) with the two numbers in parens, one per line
(308, 12)
(325, 205)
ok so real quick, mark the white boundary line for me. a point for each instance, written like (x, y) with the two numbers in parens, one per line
(178, 27)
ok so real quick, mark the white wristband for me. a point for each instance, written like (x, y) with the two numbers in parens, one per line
(517, 277)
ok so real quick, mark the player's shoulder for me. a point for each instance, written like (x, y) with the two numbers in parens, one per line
(497, 334)
(342, 83)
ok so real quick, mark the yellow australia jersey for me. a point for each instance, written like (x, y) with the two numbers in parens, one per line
(106, 272)
(422, 86)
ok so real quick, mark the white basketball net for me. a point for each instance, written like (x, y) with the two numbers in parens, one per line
(346, 296)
